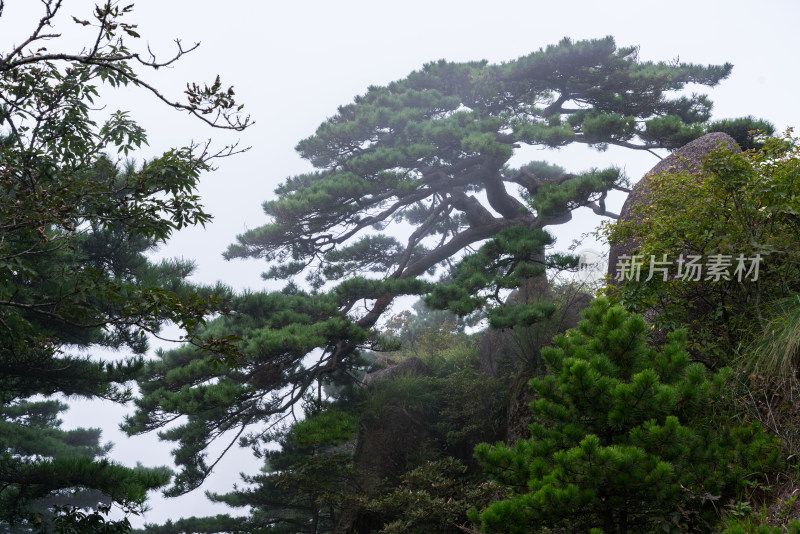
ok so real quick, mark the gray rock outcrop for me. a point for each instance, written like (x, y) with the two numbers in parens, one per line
(689, 158)
(411, 366)
(383, 446)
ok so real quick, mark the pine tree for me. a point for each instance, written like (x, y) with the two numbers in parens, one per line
(623, 436)
(431, 151)
(76, 226)
(345, 460)
(30, 429)
(300, 489)
(422, 150)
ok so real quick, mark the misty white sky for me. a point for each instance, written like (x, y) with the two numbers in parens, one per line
(292, 64)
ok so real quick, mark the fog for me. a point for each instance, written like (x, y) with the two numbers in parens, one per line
(292, 64)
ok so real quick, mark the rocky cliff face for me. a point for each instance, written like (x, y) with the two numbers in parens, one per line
(689, 158)
(383, 446)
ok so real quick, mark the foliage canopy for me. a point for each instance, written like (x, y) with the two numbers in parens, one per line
(622, 437)
(76, 225)
(746, 212)
(432, 152)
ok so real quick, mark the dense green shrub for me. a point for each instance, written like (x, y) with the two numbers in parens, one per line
(741, 206)
(623, 436)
